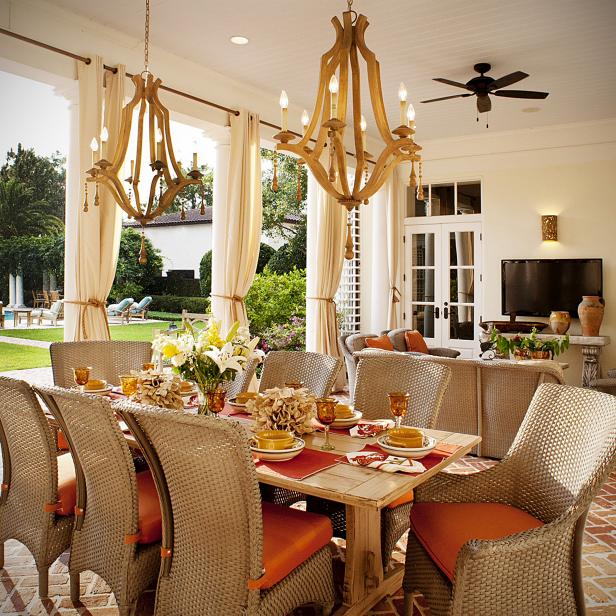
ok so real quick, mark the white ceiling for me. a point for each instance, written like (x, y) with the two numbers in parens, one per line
(567, 46)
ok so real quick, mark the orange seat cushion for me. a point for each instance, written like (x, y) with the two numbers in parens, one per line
(62, 442)
(415, 342)
(443, 528)
(67, 485)
(401, 500)
(382, 342)
(150, 525)
(290, 537)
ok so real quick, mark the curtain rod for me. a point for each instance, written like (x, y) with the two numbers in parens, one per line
(113, 69)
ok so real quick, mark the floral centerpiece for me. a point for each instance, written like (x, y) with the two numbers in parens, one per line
(158, 389)
(284, 408)
(529, 347)
(206, 357)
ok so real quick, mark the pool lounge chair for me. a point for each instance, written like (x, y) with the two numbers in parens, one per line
(139, 310)
(116, 310)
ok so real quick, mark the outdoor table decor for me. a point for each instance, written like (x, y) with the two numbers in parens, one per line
(284, 408)
(209, 359)
(159, 390)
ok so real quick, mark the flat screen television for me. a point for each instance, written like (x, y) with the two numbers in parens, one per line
(535, 287)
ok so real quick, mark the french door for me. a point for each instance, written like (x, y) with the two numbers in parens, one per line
(443, 283)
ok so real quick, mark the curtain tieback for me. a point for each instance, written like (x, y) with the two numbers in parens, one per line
(94, 303)
(233, 298)
(395, 295)
(329, 300)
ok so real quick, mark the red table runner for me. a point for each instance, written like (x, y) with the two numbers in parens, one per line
(307, 463)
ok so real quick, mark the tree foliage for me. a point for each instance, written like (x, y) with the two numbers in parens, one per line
(278, 206)
(291, 255)
(190, 197)
(45, 176)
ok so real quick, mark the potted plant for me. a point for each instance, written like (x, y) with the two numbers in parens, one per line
(529, 347)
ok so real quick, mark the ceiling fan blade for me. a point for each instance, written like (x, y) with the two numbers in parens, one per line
(452, 83)
(521, 94)
(445, 98)
(484, 104)
(508, 80)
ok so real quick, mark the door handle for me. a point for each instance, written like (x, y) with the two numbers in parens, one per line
(445, 312)
(437, 313)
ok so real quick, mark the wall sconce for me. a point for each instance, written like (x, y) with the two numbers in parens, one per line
(549, 228)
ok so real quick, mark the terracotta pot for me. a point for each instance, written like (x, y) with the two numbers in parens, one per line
(560, 321)
(590, 312)
(540, 355)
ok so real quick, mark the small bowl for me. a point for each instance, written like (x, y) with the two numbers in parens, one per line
(246, 396)
(406, 437)
(274, 439)
(343, 411)
(101, 385)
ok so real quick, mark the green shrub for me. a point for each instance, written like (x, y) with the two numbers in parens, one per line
(266, 252)
(287, 336)
(164, 316)
(275, 298)
(171, 303)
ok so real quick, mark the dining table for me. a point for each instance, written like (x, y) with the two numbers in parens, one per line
(364, 491)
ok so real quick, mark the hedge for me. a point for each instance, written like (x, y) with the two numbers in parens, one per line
(172, 303)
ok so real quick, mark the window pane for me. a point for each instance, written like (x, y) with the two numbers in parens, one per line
(461, 319)
(423, 320)
(462, 285)
(423, 285)
(442, 200)
(422, 246)
(461, 248)
(469, 198)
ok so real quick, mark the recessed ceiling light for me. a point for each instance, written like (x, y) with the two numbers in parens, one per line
(239, 40)
(531, 109)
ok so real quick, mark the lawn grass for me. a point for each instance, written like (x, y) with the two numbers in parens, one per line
(19, 357)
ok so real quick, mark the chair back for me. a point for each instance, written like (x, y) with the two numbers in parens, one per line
(216, 511)
(124, 304)
(143, 304)
(46, 297)
(110, 503)
(195, 319)
(30, 472)
(563, 451)
(316, 371)
(242, 381)
(109, 359)
(381, 373)
(56, 307)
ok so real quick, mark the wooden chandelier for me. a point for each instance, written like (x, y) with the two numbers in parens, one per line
(329, 122)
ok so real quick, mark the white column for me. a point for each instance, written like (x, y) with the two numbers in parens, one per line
(377, 256)
(19, 290)
(221, 177)
(311, 249)
(11, 291)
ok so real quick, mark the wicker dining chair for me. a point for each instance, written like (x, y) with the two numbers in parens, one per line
(242, 381)
(316, 371)
(118, 523)
(377, 375)
(38, 489)
(562, 454)
(109, 359)
(220, 550)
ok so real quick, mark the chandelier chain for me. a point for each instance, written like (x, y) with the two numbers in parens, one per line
(349, 4)
(146, 47)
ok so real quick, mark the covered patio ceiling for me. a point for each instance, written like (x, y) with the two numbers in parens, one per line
(562, 44)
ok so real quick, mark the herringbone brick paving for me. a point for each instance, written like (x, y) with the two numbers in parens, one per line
(18, 592)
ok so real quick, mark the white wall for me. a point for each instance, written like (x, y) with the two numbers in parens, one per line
(564, 170)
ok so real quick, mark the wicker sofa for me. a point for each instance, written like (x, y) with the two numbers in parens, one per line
(352, 343)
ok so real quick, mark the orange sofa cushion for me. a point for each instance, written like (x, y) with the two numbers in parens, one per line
(290, 537)
(443, 528)
(415, 342)
(150, 525)
(402, 500)
(62, 442)
(382, 342)
(67, 485)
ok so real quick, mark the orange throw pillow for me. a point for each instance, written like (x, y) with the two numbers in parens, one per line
(415, 342)
(382, 342)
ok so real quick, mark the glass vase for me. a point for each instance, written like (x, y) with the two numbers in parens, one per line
(211, 399)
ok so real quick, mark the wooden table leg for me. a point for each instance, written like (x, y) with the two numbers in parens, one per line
(364, 569)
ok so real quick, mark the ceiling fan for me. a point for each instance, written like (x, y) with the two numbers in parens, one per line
(483, 86)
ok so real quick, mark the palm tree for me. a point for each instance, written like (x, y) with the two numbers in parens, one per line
(20, 215)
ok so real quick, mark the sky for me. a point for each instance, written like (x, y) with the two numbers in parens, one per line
(32, 114)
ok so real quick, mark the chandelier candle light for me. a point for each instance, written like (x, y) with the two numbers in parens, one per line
(162, 159)
(339, 66)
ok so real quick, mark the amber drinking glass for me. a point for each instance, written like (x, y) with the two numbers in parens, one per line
(129, 384)
(82, 375)
(148, 366)
(216, 400)
(398, 404)
(326, 414)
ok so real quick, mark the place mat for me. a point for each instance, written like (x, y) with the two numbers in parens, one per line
(234, 412)
(307, 463)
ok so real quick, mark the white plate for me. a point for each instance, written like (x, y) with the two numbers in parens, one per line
(414, 453)
(104, 390)
(348, 422)
(236, 404)
(280, 455)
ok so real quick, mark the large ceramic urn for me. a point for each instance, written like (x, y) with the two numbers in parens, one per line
(590, 312)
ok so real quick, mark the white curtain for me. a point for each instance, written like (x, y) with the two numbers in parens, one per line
(92, 237)
(237, 223)
(325, 257)
(395, 210)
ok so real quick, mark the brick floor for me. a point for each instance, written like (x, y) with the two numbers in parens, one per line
(18, 588)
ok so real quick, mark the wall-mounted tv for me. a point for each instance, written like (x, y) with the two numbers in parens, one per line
(535, 287)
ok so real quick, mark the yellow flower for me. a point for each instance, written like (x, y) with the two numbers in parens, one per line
(169, 350)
